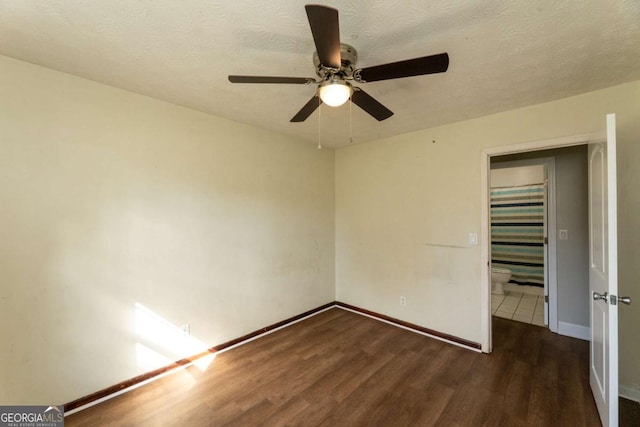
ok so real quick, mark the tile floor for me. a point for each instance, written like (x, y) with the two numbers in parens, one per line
(519, 306)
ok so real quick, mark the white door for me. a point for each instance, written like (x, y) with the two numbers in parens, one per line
(603, 275)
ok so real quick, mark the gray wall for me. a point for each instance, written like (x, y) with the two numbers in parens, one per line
(572, 215)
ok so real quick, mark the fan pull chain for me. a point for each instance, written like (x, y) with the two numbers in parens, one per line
(350, 121)
(319, 122)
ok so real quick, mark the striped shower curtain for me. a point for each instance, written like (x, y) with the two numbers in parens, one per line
(517, 232)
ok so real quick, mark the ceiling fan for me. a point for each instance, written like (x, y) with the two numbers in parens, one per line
(335, 66)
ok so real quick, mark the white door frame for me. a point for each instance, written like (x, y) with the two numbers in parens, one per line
(485, 223)
(550, 258)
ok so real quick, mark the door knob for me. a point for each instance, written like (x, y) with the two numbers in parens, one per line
(613, 299)
(602, 297)
(625, 300)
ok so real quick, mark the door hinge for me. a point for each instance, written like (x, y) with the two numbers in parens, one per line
(546, 299)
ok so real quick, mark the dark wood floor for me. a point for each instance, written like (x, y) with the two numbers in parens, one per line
(629, 413)
(343, 369)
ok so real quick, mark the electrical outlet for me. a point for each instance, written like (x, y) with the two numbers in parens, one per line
(186, 329)
(403, 301)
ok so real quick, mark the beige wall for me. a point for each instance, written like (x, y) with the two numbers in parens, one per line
(405, 206)
(109, 199)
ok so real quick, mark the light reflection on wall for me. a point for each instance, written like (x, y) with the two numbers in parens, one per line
(149, 359)
(163, 342)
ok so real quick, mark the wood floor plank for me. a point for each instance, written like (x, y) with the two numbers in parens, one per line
(360, 373)
(339, 368)
(288, 413)
(629, 413)
(427, 405)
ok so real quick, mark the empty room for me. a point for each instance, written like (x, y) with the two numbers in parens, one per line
(271, 213)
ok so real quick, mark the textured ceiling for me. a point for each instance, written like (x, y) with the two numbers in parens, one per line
(504, 54)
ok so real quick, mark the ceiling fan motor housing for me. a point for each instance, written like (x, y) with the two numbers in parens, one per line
(348, 60)
(335, 64)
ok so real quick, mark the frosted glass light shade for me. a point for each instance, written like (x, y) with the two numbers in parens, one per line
(335, 93)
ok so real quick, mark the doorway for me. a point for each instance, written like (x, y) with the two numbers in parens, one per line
(573, 321)
(523, 241)
(566, 265)
(602, 259)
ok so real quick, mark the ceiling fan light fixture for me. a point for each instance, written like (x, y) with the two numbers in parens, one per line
(335, 65)
(335, 92)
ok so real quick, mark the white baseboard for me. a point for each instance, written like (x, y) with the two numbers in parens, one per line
(629, 392)
(575, 331)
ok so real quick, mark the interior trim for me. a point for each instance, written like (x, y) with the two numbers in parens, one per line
(485, 253)
(629, 392)
(575, 331)
(146, 377)
(435, 334)
(124, 386)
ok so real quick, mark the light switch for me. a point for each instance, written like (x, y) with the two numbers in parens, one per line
(473, 239)
(564, 234)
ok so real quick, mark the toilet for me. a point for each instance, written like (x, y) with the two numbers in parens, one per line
(499, 276)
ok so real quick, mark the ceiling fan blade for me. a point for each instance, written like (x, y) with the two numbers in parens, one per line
(365, 101)
(308, 108)
(269, 79)
(411, 67)
(324, 25)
